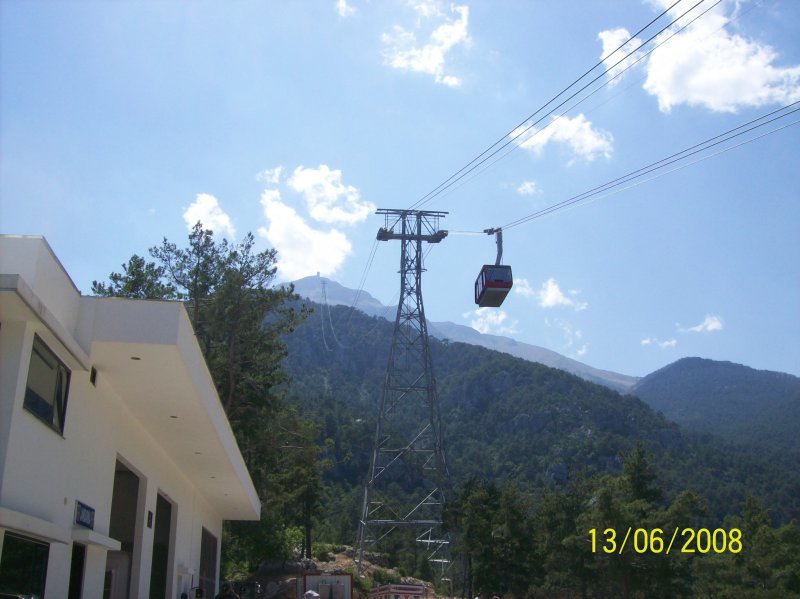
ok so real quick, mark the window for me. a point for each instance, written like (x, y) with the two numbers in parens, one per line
(48, 384)
(23, 566)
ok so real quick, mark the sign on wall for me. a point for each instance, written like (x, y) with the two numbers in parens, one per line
(84, 515)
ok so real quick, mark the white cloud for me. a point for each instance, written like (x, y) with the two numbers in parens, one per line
(302, 250)
(709, 324)
(708, 65)
(206, 209)
(613, 39)
(670, 343)
(344, 9)
(327, 198)
(523, 288)
(576, 133)
(402, 51)
(491, 321)
(426, 8)
(528, 188)
(271, 176)
(550, 295)
(572, 336)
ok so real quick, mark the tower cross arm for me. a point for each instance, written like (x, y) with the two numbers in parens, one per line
(388, 234)
(413, 225)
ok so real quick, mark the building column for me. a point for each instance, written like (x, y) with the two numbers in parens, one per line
(94, 571)
(58, 565)
(143, 543)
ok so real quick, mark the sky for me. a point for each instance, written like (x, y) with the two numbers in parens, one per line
(125, 122)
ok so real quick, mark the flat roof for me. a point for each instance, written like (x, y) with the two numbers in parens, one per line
(162, 378)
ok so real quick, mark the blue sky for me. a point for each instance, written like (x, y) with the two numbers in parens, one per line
(124, 122)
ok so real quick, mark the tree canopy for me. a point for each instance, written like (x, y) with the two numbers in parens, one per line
(240, 318)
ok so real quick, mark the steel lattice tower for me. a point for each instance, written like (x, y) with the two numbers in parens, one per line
(408, 476)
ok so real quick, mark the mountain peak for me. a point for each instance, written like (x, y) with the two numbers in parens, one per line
(734, 401)
(313, 287)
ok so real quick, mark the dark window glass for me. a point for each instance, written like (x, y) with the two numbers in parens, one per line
(23, 566)
(499, 274)
(47, 388)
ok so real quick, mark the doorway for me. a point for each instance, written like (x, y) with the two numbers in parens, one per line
(118, 573)
(76, 569)
(124, 507)
(159, 567)
(208, 564)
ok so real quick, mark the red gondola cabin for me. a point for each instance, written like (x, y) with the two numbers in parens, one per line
(492, 285)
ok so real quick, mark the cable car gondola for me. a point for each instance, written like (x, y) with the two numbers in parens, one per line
(494, 280)
(492, 285)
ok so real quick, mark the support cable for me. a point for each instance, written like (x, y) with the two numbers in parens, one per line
(476, 171)
(655, 167)
(330, 320)
(322, 323)
(333, 331)
(362, 282)
(672, 159)
(488, 153)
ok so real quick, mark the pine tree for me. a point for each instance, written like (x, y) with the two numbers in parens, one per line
(239, 319)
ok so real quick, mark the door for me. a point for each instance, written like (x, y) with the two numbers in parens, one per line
(208, 564)
(118, 571)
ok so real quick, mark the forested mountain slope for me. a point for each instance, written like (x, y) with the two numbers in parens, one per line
(336, 294)
(740, 404)
(509, 419)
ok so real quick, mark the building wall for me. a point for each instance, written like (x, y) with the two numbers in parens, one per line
(32, 259)
(43, 473)
(46, 473)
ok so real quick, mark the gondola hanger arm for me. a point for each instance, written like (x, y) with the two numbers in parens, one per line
(498, 235)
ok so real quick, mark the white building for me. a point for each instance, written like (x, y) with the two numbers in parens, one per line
(117, 462)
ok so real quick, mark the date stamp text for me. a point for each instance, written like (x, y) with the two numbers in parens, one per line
(656, 540)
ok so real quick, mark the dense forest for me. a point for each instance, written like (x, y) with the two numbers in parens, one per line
(741, 404)
(539, 458)
(509, 419)
(549, 445)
